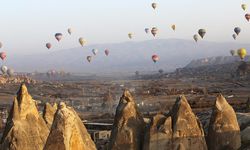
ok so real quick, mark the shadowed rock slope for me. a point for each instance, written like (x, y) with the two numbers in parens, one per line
(25, 128)
(48, 113)
(180, 129)
(128, 129)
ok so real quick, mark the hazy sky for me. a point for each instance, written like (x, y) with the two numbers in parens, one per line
(26, 25)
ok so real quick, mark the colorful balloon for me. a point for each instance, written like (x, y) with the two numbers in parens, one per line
(247, 16)
(244, 6)
(106, 52)
(58, 36)
(82, 41)
(94, 51)
(4, 69)
(242, 53)
(196, 37)
(155, 58)
(3, 55)
(154, 5)
(237, 30)
(89, 58)
(154, 31)
(234, 36)
(48, 45)
(202, 32)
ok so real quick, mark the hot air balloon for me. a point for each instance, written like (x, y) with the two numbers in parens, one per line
(106, 52)
(247, 16)
(234, 36)
(202, 32)
(147, 30)
(154, 31)
(89, 58)
(10, 72)
(94, 51)
(237, 30)
(58, 36)
(154, 5)
(130, 35)
(48, 45)
(69, 31)
(242, 53)
(244, 6)
(1, 45)
(196, 37)
(3, 55)
(233, 52)
(82, 41)
(173, 27)
(4, 69)
(155, 58)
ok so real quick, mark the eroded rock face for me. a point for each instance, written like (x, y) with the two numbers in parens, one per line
(128, 128)
(25, 128)
(68, 132)
(179, 130)
(224, 131)
(48, 113)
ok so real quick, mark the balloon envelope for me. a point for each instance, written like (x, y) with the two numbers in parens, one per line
(202, 32)
(4, 69)
(247, 16)
(244, 6)
(155, 58)
(48, 45)
(196, 37)
(3, 55)
(234, 36)
(70, 31)
(233, 52)
(82, 41)
(10, 72)
(1, 45)
(173, 27)
(89, 58)
(154, 31)
(106, 52)
(147, 30)
(94, 51)
(130, 35)
(237, 30)
(242, 53)
(58, 36)
(154, 5)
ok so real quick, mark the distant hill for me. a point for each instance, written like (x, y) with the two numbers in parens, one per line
(124, 57)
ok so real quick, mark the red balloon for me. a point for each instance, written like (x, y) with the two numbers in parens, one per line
(106, 52)
(3, 55)
(155, 58)
(247, 17)
(48, 45)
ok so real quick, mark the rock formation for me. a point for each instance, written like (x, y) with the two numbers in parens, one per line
(179, 130)
(68, 132)
(224, 131)
(48, 113)
(25, 128)
(128, 128)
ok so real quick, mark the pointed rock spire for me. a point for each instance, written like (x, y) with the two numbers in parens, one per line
(181, 128)
(25, 128)
(224, 131)
(68, 132)
(128, 128)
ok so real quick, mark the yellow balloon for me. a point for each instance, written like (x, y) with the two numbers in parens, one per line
(242, 53)
(244, 6)
(82, 41)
